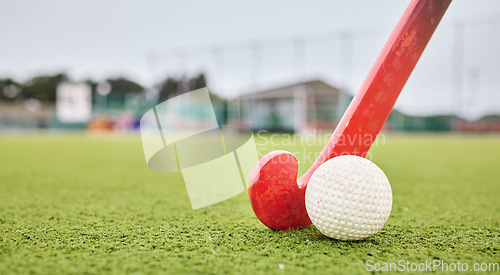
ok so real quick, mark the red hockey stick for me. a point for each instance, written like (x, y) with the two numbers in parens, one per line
(277, 197)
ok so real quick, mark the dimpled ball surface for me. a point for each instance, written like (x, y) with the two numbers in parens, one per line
(348, 198)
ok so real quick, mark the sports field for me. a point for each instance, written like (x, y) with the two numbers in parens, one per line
(72, 203)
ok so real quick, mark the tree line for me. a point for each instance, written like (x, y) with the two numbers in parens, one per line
(43, 87)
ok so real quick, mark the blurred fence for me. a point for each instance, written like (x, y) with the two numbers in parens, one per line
(455, 86)
(457, 74)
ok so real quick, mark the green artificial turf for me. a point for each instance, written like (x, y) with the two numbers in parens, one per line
(87, 204)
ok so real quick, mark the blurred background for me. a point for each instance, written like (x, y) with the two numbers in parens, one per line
(270, 65)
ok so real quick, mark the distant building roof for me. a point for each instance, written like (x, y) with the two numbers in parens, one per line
(316, 87)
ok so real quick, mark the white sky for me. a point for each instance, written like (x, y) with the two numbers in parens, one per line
(147, 40)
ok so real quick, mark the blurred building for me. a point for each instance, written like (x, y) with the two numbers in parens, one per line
(31, 114)
(297, 107)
